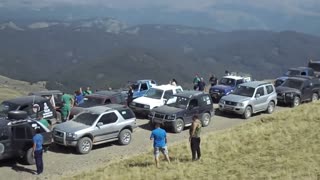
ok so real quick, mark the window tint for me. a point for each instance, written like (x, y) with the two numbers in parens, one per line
(260, 91)
(168, 94)
(109, 118)
(178, 90)
(193, 103)
(19, 132)
(269, 89)
(205, 100)
(240, 81)
(144, 87)
(126, 113)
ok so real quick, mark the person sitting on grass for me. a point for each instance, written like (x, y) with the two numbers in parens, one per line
(159, 137)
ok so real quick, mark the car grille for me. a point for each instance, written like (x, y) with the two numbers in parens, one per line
(58, 134)
(160, 116)
(139, 105)
(231, 103)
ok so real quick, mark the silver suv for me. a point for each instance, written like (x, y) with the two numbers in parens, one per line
(96, 125)
(249, 98)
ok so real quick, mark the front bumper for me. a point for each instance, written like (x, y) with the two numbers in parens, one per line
(230, 108)
(161, 120)
(60, 138)
(140, 110)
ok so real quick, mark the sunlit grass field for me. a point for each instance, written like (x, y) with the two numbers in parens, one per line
(283, 146)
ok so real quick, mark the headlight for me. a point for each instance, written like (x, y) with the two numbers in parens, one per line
(171, 117)
(222, 101)
(289, 94)
(146, 106)
(71, 135)
(240, 104)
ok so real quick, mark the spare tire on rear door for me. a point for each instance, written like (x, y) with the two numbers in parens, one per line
(17, 115)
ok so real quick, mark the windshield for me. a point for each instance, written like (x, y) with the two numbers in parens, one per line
(227, 81)
(179, 102)
(244, 91)
(86, 118)
(90, 101)
(291, 83)
(154, 93)
(5, 107)
(292, 73)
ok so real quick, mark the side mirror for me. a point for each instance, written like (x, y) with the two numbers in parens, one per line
(99, 124)
(165, 101)
(257, 95)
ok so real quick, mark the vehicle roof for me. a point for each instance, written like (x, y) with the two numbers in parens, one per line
(102, 109)
(234, 77)
(300, 68)
(48, 92)
(141, 81)
(189, 94)
(314, 62)
(254, 84)
(301, 78)
(166, 87)
(26, 100)
(103, 94)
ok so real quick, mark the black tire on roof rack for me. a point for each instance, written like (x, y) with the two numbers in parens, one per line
(17, 115)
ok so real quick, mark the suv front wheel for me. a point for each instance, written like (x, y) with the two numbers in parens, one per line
(84, 145)
(247, 112)
(178, 125)
(125, 137)
(296, 101)
(205, 119)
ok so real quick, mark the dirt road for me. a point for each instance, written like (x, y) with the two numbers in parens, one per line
(61, 161)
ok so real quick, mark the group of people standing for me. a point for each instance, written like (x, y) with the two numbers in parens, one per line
(159, 137)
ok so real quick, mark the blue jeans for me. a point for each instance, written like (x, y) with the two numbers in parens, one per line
(39, 161)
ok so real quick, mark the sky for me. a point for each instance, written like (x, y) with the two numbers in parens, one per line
(299, 15)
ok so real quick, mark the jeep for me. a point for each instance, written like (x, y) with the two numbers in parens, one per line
(155, 97)
(178, 114)
(140, 87)
(226, 85)
(295, 90)
(293, 72)
(32, 105)
(248, 98)
(315, 65)
(16, 133)
(96, 125)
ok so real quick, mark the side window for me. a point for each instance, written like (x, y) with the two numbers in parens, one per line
(303, 73)
(240, 81)
(107, 101)
(108, 118)
(269, 89)
(178, 90)
(144, 87)
(260, 91)
(168, 94)
(126, 113)
(19, 132)
(205, 100)
(193, 103)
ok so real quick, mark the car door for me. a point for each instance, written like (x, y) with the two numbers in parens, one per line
(22, 138)
(306, 92)
(192, 109)
(106, 127)
(143, 89)
(6, 147)
(260, 99)
(47, 135)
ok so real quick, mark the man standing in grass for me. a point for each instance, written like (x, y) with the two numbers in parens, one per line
(159, 137)
(195, 138)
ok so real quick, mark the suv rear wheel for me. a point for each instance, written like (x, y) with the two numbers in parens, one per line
(125, 137)
(296, 101)
(247, 112)
(178, 125)
(270, 108)
(28, 157)
(205, 119)
(315, 97)
(84, 145)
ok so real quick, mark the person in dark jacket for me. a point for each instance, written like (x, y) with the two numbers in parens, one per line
(213, 80)
(130, 96)
(201, 85)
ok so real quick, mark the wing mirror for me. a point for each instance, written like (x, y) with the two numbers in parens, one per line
(257, 95)
(99, 124)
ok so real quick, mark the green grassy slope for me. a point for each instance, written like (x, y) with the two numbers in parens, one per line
(285, 145)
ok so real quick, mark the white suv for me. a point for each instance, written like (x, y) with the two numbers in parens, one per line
(155, 97)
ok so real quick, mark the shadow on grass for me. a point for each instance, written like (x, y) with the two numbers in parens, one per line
(13, 164)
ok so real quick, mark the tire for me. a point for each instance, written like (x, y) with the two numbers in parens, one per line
(296, 101)
(247, 112)
(205, 119)
(270, 107)
(17, 115)
(178, 125)
(84, 145)
(125, 137)
(315, 97)
(28, 157)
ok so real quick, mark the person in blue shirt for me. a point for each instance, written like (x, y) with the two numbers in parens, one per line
(159, 137)
(37, 150)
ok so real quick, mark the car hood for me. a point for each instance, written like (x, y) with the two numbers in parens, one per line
(148, 101)
(167, 110)
(70, 126)
(282, 89)
(235, 98)
(283, 78)
(76, 110)
(222, 87)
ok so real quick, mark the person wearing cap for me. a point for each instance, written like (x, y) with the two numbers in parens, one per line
(38, 151)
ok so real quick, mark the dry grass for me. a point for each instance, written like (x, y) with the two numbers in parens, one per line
(7, 93)
(283, 146)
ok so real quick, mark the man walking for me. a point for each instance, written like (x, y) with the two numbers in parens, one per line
(159, 137)
(37, 150)
(194, 138)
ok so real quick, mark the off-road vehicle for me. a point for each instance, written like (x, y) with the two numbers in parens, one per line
(295, 72)
(249, 98)
(32, 105)
(295, 90)
(178, 114)
(155, 97)
(96, 125)
(16, 133)
(140, 87)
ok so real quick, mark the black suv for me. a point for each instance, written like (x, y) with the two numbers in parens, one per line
(32, 105)
(179, 113)
(16, 133)
(295, 90)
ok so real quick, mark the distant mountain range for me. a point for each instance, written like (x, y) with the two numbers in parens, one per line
(107, 52)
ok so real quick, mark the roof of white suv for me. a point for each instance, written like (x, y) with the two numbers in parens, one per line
(236, 77)
(254, 84)
(167, 87)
